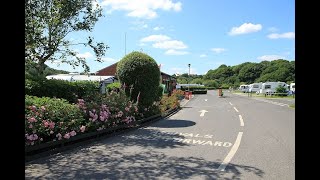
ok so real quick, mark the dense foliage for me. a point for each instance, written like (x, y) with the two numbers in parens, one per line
(245, 73)
(71, 91)
(141, 74)
(47, 26)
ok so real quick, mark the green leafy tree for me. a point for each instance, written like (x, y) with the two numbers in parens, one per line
(47, 24)
(196, 81)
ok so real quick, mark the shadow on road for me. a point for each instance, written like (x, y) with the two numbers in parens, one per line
(173, 123)
(135, 155)
(113, 164)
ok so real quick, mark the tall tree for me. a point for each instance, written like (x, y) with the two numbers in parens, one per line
(48, 22)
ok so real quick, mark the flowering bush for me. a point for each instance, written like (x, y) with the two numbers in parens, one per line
(48, 119)
(178, 93)
(110, 110)
(169, 103)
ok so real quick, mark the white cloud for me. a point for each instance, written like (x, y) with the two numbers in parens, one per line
(145, 26)
(155, 38)
(175, 52)
(157, 28)
(85, 55)
(273, 29)
(107, 59)
(203, 55)
(287, 35)
(170, 44)
(218, 50)
(270, 57)
(245, 29)
(141, 8)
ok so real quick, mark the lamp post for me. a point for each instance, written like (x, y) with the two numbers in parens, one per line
(189, 78)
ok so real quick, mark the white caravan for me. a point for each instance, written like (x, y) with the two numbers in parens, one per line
(244, 88)
(255, 87)
(293, 87)
(270, 87)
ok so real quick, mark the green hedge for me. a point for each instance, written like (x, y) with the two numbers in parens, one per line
(199, 92)
(70, 91)
(193, 88)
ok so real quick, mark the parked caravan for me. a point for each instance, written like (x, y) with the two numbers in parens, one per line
(244, 88)
(293, 87)
(255, 87)
(270, 87)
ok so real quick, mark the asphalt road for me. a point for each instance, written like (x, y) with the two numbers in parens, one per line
(234, 137)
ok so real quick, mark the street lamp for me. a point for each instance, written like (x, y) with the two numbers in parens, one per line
(189, 78)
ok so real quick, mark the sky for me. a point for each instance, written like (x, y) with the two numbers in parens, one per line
(204, 34)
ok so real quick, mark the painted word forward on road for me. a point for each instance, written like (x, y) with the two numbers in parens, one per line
(187, 138)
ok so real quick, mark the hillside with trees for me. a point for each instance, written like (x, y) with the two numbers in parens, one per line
(246, 73)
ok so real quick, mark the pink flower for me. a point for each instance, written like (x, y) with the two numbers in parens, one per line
(82, 128)
(45, 123)
(73, 133)
(136, 109)
(32, 143)
(51, 132)
(32, 119)
(51, 125)
(67, 136)
(33, 108)
(127, 109)
(32, 137)
(145, 109)
(30, 126)
(43, 108)
(41, 139)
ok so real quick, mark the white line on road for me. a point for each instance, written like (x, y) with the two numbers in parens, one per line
(231, 153)
(235, 109)
(230, 103)
(241, 121)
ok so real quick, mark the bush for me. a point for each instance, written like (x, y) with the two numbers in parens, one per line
(140, 71)
(167, 103)
(193, 88)
(113, 86)
(282, 90)
(178, 93)
(48, 119)
(70, 91)
(109, 110)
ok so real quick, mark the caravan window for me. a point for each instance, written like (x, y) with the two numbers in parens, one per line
(267, 86)
(255, 86)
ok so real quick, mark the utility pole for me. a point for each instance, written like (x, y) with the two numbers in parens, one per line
(189, 79)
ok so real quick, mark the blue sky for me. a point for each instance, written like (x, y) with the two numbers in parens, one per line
(204, 33)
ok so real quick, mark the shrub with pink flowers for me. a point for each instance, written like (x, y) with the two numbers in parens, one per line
(110, 110)
(49, 119)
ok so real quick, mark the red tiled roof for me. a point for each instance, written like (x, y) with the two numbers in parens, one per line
(108, 71)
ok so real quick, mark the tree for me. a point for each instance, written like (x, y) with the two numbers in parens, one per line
(47, 24)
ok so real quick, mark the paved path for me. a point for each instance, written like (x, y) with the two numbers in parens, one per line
(233, 137)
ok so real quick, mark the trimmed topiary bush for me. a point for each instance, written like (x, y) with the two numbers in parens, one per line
(141, 72)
